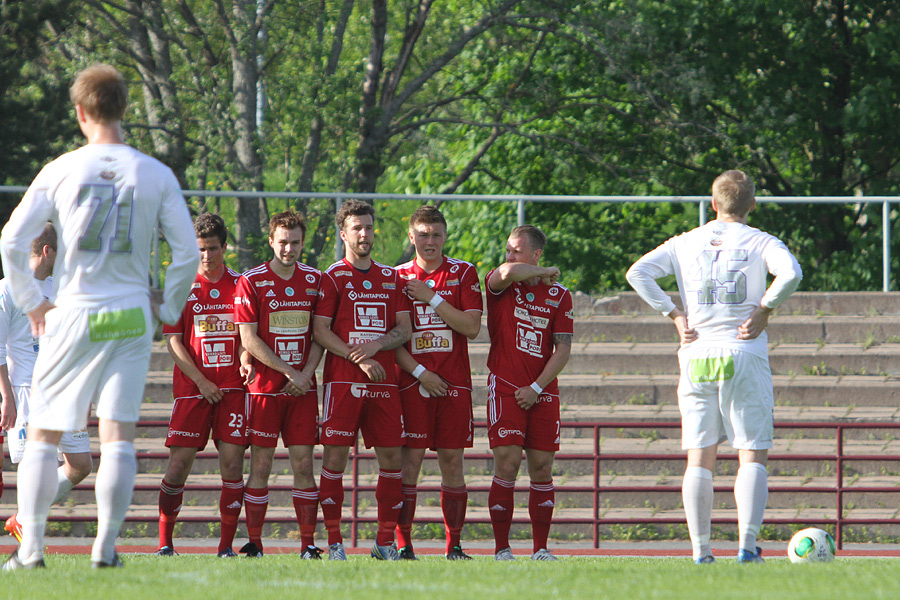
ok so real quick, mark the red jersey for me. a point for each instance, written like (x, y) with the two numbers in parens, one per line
(209, 335)
(362, 306)
(282, 310)
(433, 343)
(521, 322)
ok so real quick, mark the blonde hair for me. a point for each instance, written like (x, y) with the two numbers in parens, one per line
(734, 193)
(101, 92)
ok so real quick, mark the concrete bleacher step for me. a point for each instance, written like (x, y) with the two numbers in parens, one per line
(834, 358)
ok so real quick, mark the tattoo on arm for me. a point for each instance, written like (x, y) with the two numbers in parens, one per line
(562, 339)
(393, 339)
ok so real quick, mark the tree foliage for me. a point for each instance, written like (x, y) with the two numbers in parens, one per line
(494, 96)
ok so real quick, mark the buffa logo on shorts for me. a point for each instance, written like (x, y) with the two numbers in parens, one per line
(175, 432)
(359, 390)
(329, 432)
(507, 432)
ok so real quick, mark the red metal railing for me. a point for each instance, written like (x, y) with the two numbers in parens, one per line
(354, 488)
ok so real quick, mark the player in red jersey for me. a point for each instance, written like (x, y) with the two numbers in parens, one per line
(437, 409)
(211, 370)
(274, 306)
(530, 323)
(361, 318)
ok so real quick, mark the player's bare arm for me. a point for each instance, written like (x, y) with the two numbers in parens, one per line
(527, 396)
(179, 353)
(8, 405)
(394, 338)
(431, 381)
(260, 350)
(755, 324)
(373, 370)
(299, 386)
(467, 323)
(247, 369)
(38, 316)
(329, 340)
(686, 333)
(510, 272)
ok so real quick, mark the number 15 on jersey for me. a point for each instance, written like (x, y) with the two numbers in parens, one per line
(717, 278)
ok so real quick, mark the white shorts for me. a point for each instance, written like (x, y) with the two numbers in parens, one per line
(98, 356)
(71, 442)
(725, 394)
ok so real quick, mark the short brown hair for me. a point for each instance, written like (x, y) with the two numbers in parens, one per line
(288, 220)
(101, 92)
(352, 208)
(734, 192)
(536, 238)
(428, 215)
(210, 225)
(46, 238)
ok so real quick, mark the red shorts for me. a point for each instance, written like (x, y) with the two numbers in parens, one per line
(371, 408)
(511, 425)
(194, 419)
(437, 422)
(295, 418)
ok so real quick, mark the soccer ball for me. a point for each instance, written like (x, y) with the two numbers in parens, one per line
(811, 545)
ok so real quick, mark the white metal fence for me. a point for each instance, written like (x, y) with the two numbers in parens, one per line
(522, 200)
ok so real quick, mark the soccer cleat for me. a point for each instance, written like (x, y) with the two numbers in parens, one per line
(745, 556)
(388, 552)
(543, 554)
(226, 553)
(705, 560)
(311, 553)
(251, 550)
(457, 554)
(336, 552)
(14, 564)
(166, 551)
(13, 527)
(115, 563)
(407, 553)
(505, 554)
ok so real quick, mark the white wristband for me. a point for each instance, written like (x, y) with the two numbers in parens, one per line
(538, 389)
(435, 301)
(417, 372)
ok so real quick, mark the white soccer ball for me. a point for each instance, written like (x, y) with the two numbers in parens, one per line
(811, 545)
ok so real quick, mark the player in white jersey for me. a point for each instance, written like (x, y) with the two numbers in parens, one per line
(725, 388)
(18, 350)
(106, 200)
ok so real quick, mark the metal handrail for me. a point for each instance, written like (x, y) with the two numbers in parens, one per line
(353, 487)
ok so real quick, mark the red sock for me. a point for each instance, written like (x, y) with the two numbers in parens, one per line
(306, 505)
(406, 516)
(256, 502)
(540, 509)
(389, 498)
(501, 504)
(170, 498)
(230, 501)
(331, 498)
(453, 505)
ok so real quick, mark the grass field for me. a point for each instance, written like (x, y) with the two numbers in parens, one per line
(282, 577)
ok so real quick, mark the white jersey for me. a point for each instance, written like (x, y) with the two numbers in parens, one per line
(104, 200)
(18, 348)
(721, 270)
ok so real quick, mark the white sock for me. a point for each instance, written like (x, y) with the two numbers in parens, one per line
(697, 495)
(64, 485)
(751, 491)
(36, 486)
(114, 486)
